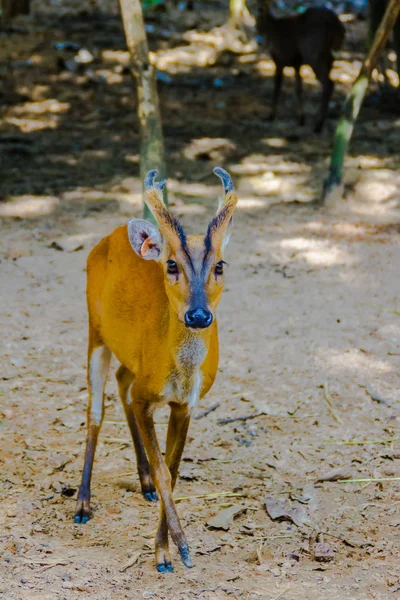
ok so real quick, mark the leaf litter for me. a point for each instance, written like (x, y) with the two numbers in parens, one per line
(281, 509)
(41, 288)
(224, 519)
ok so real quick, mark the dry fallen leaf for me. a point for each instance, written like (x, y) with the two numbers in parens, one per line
(336, 475)
(58, 461)
(225, 517)
(282, 509)
(207, 544)
(132, 561)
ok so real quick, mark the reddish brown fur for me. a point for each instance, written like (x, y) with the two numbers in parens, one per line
(137, 311)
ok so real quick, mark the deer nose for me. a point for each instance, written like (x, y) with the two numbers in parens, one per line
(198, 318)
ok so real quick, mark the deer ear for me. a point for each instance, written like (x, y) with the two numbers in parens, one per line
(145, 239)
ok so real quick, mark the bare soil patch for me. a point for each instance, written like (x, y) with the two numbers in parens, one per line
(309, 321)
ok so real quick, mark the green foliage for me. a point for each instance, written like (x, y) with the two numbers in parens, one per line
(147, 4)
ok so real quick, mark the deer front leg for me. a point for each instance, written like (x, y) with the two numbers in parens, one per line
(98, 364)
(178, 426)
(162, 478)
(125, 379)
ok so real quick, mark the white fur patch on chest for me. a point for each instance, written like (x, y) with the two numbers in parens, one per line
(184, 383)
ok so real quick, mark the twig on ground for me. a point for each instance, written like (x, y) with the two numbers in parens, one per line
(46, 567)
(282, 592)
(111, 440)
(328, 399)
(244, 418)
(119, 475)
(212, 495)
(207, 411)
(259, 553)
(369, 479)
(351, 543)
(132, 561)
(45, 563)
(375, 396)
(362, 442)
(269, 538)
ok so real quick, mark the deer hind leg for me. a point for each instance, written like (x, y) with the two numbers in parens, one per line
(178, 426)
(163, 480)
(322, 71)
(277, 90)
(98, 364)
(125, 380)
(299, 94)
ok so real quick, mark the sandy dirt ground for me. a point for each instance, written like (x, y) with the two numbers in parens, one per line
(309, 322)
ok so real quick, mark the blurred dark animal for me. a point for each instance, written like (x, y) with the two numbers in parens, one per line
(306, 39)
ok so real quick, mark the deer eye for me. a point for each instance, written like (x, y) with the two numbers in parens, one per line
(172, 267)
(219, 267)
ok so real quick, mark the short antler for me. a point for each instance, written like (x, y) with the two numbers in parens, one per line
(169, 226)
(229, 197)
(218, 228)
(225, 178)
(154, 196)
(151, 184)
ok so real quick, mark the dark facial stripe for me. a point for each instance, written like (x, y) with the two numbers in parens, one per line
(197, 294)
(175, 224)
(182, 235)
(207, 239)
(207, 242)
(198, 298)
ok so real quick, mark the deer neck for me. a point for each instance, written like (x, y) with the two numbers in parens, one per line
(188, 350)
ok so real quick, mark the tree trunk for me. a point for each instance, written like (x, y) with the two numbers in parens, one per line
(375, 15)
(352, 104)
(239, 29)
(239, 13)
(148, 110)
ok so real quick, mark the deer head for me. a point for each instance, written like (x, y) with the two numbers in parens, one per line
(193, 265)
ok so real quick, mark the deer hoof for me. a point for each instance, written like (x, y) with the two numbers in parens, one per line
(82, 514)
(150, 496)
(147, 485)
(185, 556)
(165, 567)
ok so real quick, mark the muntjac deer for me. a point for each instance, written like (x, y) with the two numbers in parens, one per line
(306, 39)
(152, 294)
